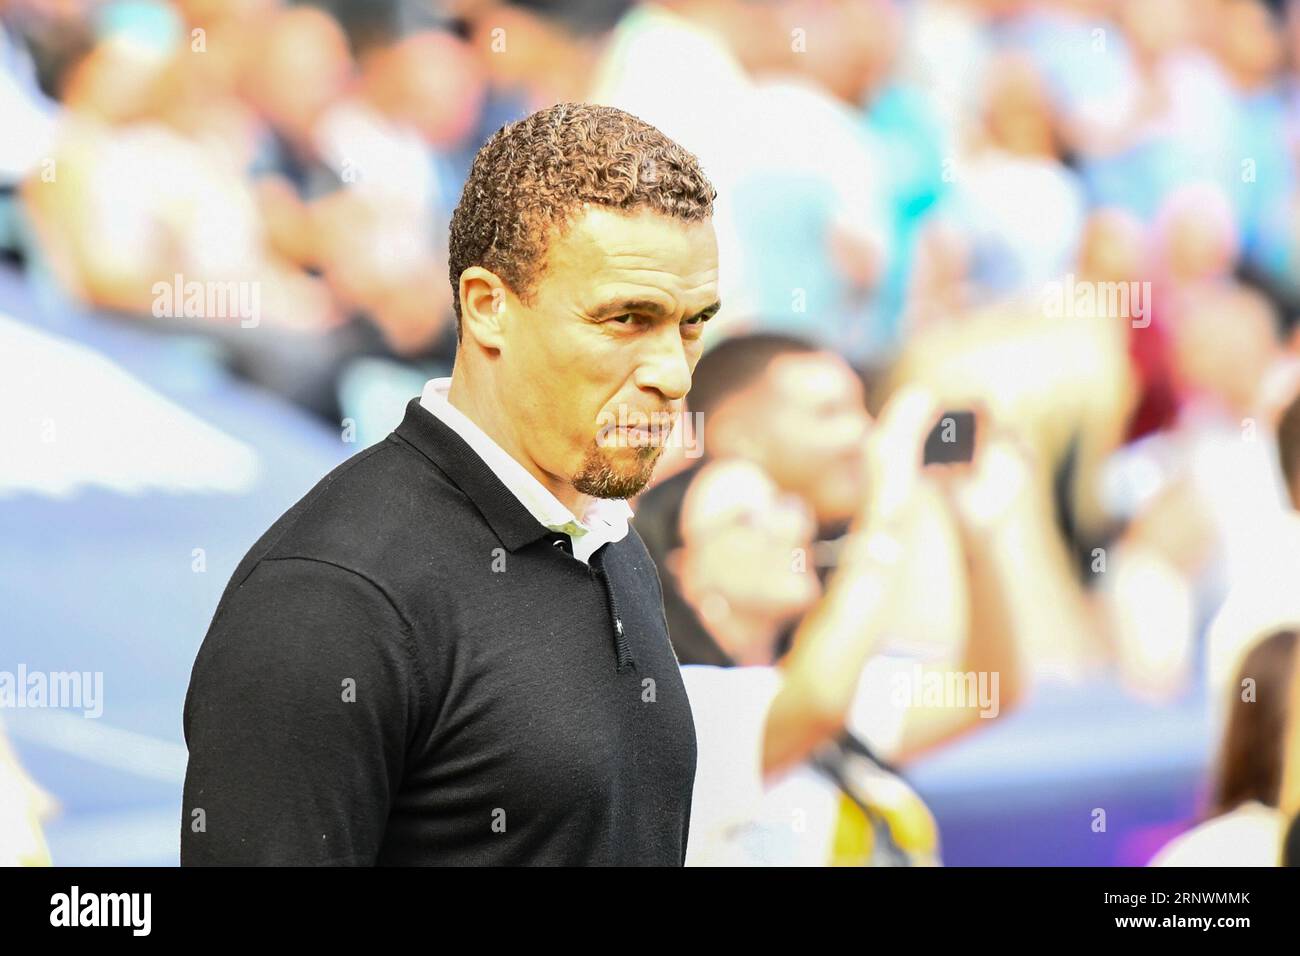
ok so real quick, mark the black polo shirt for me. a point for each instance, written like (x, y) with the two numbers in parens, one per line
(406, 669)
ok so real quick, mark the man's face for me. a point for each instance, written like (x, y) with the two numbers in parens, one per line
(812, 415)
(611, 339)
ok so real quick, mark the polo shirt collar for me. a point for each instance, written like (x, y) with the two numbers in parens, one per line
(518, 507)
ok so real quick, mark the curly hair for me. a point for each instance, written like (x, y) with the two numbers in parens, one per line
(532, 176)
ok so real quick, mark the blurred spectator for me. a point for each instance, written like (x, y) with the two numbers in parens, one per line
(947, 43)
(272, 172)
(1243, 826)
(389, 143)
(1172, 124)
(1250, 46)
(1052, 365)
(912, 142)
(1206, 500)
(1263, 598)
(792, 410)
(1019, 209)
(1289, 797)
(132, 200)
(739, 567)
(843, 805)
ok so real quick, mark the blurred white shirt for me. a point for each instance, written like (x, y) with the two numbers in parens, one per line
(738, 818)
(1250, 835)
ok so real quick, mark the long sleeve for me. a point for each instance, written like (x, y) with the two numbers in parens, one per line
(302, 702)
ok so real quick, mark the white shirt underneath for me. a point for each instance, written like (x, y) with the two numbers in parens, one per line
(605, 520)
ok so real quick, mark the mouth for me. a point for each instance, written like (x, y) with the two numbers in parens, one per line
(637, 429)
(642, 435)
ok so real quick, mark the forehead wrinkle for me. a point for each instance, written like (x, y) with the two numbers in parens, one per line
(641, 262)
(653, 276)
(649, 284)
(593, 265)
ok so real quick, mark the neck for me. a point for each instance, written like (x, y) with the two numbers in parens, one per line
(480, 406)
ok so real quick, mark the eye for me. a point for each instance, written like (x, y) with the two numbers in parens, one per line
(696, 324)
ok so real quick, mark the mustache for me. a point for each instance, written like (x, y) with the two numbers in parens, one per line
(657, 419)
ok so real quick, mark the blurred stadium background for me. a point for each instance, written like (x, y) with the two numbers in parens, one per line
(1081, 213)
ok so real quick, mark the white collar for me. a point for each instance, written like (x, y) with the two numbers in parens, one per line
(605, 520)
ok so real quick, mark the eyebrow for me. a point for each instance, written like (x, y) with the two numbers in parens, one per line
(649, 307)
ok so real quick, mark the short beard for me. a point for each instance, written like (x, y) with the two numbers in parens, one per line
(599, 477)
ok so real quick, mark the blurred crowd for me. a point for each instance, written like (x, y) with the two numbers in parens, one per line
(1078, 217)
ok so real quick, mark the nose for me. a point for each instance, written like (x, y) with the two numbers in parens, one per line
(665, 367)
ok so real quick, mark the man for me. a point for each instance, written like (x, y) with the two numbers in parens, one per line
(407, 669)
(453, 649)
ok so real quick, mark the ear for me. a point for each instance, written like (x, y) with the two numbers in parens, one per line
(486, 307)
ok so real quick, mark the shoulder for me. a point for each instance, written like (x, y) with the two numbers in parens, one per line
(294, 632)
(383, 510)
(379, 541)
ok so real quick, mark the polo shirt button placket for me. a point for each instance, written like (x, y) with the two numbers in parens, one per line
(622, 651)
